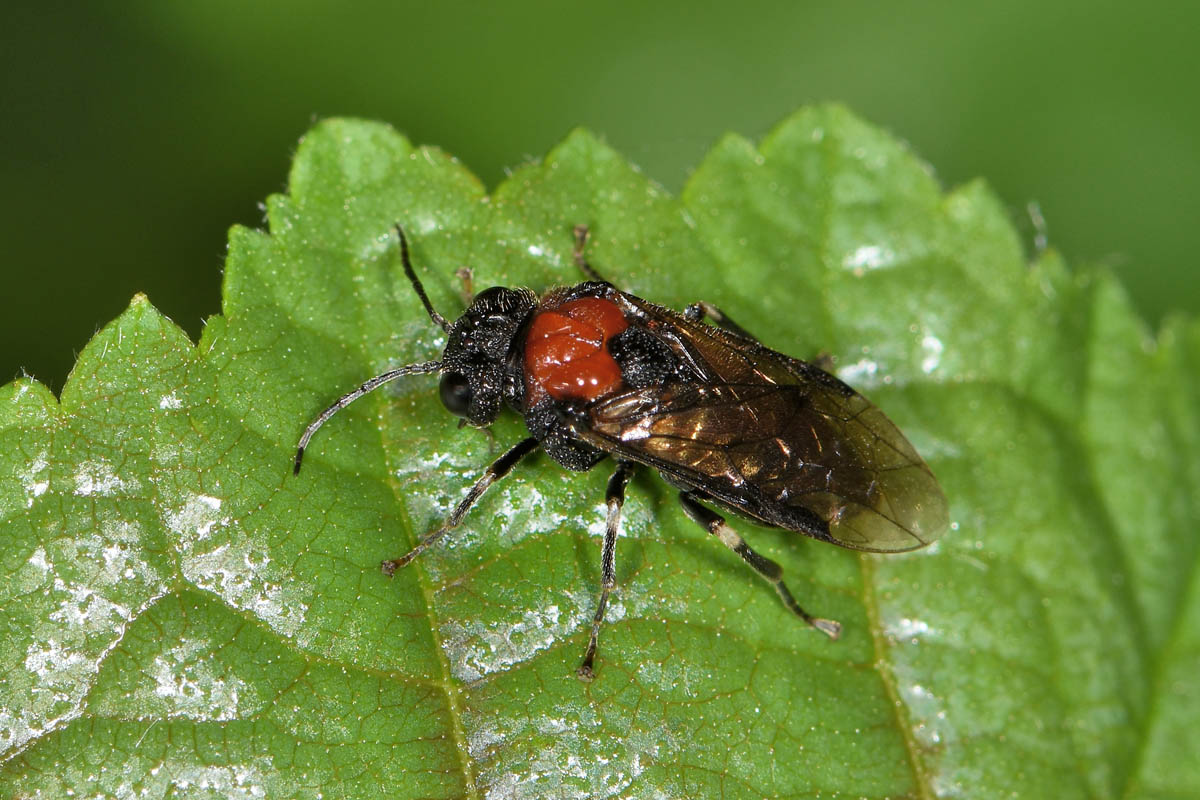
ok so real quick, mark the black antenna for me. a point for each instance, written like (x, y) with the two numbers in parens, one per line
(369, 386)
(412, 276)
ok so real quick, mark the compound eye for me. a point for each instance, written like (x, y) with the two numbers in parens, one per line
(456, 393)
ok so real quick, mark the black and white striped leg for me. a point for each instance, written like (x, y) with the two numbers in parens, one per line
(715, 524)
(614, 498)
(704, 310)
(499, 468)
(581, 236)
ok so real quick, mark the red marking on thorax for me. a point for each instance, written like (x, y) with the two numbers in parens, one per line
(566, 351)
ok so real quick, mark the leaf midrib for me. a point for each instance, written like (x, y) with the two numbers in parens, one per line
(445, 683)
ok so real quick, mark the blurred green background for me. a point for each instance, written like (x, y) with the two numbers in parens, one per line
(135, 133)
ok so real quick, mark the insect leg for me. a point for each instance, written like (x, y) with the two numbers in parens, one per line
(499, 468)
(581, 236)
(614, 498)
(705, 310)
(715, 524)
(467, 277)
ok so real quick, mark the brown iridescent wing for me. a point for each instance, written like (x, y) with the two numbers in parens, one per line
(774, 438)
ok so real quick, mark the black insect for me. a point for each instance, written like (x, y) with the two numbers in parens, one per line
(597, 372)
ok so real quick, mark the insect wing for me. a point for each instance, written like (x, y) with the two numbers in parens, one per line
(775, 438)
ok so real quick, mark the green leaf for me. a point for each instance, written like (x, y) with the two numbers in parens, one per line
(182, 616)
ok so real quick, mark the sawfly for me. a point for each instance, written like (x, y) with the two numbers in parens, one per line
(736, 426)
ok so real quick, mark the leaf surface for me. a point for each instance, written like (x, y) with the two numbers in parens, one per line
(182, 617)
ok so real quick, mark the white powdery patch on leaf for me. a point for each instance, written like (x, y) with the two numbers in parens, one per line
(867, 258)
(476, 649)
(180, 775)
(170, 401)
(219, 557)
(35, 477)
(96, 477)
(646, 599)
(18, 727)
(234, 781)
(899, 629)
(583, 759)
(932, 348)
(55, 680)
(31, 576)
(81, 621)
(84, 608)
(506, 517)
(245, 577)
(672, 675)
(98, 606)
(930, 725)
(117, 548)
(54, 664)
(187, 681)
(523, 511)
(195, 520)
(861, 373)
(934, 731)
(38, 559)
(434, 462)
